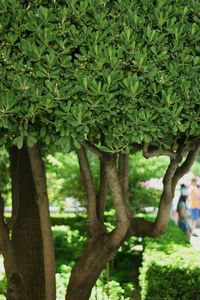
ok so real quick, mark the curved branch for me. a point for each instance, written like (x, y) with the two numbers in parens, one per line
(157, 152)
(140, 226)
(89, 146)
(94, 223)
(186, 165)
(121, 213)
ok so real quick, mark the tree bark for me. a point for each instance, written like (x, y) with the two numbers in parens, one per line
(16, 288)
(103, 246)
(26, 233)
(88, 268)
(39, 177)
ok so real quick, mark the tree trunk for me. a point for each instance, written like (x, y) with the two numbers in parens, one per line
(26, 233)
(39, 177)
(88, 268)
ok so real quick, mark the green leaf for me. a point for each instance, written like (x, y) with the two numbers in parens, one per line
(31, 140)
(18, 141)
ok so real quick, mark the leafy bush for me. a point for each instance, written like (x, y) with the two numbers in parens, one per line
(170, 268)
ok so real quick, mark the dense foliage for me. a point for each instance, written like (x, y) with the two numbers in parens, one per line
(127, 69)
(170, 268)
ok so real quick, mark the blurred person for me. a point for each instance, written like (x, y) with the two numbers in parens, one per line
(182, 213)
(181, 190)
(194, 203)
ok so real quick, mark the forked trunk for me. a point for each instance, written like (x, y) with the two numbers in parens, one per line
(87, 270)
(26, 233)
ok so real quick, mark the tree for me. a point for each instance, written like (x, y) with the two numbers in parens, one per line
(111, 77)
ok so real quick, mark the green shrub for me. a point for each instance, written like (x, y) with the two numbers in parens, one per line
(3, 281)
(76, 222)
(170, 268)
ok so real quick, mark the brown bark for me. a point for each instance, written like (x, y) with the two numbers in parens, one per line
(16, 288)
(174, 172)
(123, 220)
(124, 181)
(89, 267)
(186, 165)
(26, 233)
(102, 191)
(96, 226)
(147, 153)
(101, 249)
(39, 177)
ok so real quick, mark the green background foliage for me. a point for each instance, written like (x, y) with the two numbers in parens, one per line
(170, 268)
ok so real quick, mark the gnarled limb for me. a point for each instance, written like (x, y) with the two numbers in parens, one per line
(89, 146)
(139, 226)
(121, 212)
(172, 175)
(147, 153)
(95, 224)
(39, 177)
(166, 198)
(102, 191)
(186, 165)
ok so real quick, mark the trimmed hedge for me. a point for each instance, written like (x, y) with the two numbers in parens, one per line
(76, 222)
(170, 268)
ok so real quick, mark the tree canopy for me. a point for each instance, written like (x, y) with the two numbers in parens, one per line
(73, 70)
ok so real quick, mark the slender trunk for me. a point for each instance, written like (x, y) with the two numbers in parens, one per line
(16, 289)
(26, 233)
(88, 268)
(43, 206)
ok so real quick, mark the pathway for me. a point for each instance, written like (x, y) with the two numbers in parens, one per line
(195, 239)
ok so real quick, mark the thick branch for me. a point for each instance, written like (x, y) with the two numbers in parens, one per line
(186, 165)
(166, 198)
(94, 223)
(157, 152)
(39, 177)
(142, 227)
(121, 213)
(139, 226)
(102, 191)
(88, 146)
(135, 147)
(124, 182)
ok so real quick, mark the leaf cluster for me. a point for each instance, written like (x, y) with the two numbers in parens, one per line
(72, 70)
